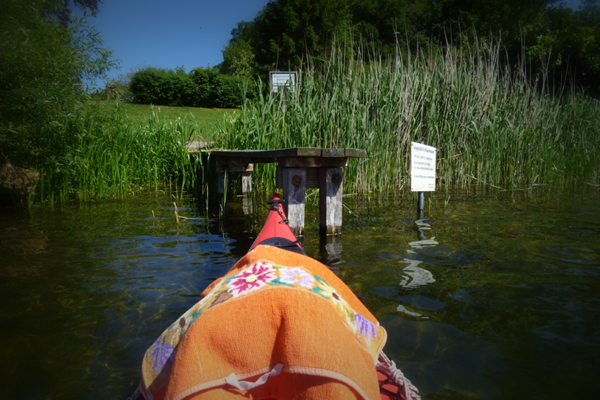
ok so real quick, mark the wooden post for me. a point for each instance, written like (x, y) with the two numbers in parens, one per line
(294, 190)
(223, 181)
(225, 167)
(246, 182)
(330, 200)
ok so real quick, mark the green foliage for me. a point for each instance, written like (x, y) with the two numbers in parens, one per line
(567, 43)
(163, 87)
(200, 88)
(549, 37)
(109, 154)
(42, 64)
(488, 126)
(63, 9)
(238, 59)
(286, 32)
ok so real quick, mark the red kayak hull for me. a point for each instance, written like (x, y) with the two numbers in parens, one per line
(277, 232)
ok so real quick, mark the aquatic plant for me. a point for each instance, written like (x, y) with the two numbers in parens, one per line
(490, 124)
(109, 156)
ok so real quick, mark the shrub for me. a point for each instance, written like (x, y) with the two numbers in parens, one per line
(200, 88)
(42, 65)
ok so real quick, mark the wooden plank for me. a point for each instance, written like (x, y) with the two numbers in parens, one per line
(294, 191)
(355, 153)
(312, 162)
(333, 152)
(195, 145)
(266, 155)
(234, 165)
(312, 178)
(330, 200)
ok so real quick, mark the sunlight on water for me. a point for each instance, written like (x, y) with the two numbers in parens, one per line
(492, 295)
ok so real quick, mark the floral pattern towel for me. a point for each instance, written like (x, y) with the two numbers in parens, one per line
(258, 276)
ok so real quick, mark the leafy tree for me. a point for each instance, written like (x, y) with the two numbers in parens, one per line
(63, 9)
(287, 31)
(238, 59)
(567, 42)
(378, 24)
(555, 39)
(42, 65)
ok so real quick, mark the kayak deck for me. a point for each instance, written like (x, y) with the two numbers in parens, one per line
(297, 298)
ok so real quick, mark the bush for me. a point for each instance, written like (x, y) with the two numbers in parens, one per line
(200, 88)
(230, 91)
(42, 66)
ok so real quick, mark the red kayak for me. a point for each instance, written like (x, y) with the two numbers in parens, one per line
(276, 232)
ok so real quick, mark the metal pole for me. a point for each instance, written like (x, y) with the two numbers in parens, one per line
(420, 202)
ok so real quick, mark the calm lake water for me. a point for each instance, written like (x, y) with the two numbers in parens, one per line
(494, 295)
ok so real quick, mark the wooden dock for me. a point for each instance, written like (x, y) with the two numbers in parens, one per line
(298, 168)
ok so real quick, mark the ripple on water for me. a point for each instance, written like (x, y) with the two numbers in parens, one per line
(572, 255)
(438, 255)
(583, 232)
(422, 302)
(525, 267)
(444, 354)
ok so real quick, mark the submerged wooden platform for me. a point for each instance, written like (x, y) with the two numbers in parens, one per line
(298, 168)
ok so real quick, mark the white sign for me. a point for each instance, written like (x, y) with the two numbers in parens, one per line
(282, 79)
(422, 167)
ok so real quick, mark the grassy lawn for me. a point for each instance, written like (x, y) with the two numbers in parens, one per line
(202, 120)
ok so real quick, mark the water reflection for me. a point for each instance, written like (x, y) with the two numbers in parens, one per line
(415, 275)
(330, 249)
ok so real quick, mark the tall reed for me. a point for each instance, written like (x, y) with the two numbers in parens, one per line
(490, 124)
(107, 155)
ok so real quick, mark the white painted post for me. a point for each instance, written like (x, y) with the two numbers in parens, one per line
(294, 191)
(246, 182)
(330, 200)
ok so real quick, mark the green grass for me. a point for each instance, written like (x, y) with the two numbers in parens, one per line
(203, 121)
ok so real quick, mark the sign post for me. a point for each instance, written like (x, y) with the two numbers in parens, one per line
(283, 81)
(422, 172)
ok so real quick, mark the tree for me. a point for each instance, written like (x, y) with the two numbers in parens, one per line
(63, 11)
(554, 38)
(238, 59)
(376, 22)
(287, 31)
(42, 65)
(567, 43)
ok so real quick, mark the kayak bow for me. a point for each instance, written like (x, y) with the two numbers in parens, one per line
(278, 325)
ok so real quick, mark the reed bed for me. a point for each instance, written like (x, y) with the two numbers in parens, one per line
(491, 125)
(108, 156)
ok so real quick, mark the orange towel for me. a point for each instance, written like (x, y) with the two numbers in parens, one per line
(278, 325)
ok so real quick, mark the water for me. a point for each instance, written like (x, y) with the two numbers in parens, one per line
(493, 295)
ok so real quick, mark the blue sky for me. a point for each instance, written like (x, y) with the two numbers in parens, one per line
(170, 33)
